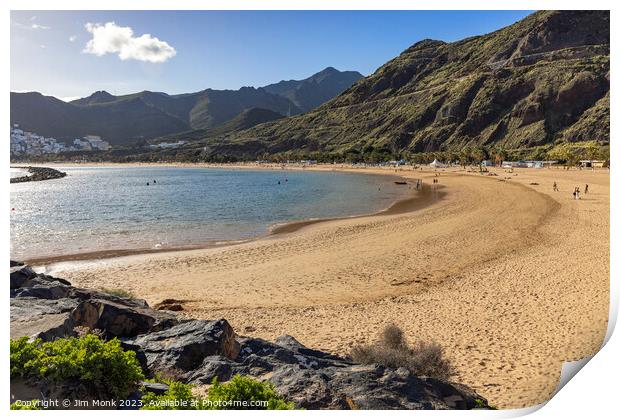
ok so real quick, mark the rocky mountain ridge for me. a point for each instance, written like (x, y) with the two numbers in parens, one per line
(146, 115)
(540, 81)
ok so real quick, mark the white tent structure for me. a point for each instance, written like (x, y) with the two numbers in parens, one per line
(436, 164)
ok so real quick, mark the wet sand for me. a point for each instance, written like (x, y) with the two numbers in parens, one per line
(511, 278)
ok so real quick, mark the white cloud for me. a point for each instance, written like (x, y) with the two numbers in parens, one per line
(33, 26)
(42, 46)
(113, 39)
(72, 38)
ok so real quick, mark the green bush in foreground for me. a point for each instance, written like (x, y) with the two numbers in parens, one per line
(238, 394)
(178, 397)
(243, 388)
(28, 405)
(102, 365)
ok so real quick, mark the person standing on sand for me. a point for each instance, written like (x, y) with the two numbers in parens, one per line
(555, 186)
(586, 190)
(578, 193)
(575, 193)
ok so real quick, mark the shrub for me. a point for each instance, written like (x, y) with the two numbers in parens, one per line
(119, 293)
(26, 405)
(392, 350)
(243, 388)
(178, 397)
(101, 365)
(237, 394)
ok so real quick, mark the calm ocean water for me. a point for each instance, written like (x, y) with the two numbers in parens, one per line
(109, 208)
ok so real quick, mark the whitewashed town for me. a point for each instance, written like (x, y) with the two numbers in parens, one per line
(29, 143)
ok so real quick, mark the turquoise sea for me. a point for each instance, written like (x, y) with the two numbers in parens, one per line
(113, 208)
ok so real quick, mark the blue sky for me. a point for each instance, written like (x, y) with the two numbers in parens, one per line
(187, 51)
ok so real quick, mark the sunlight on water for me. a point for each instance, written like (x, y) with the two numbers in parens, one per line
(102, 208)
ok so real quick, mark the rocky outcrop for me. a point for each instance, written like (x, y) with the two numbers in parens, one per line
(197, 351)
(115, 319)
(39, 174)
(181, 349)
(369, 387)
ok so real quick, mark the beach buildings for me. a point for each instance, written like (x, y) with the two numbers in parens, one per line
(592, 163)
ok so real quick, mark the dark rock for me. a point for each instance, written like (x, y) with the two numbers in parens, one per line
(170, 305)
(90, 294)
(16, 263)
(117, 319)
(184, 347)
(259, 357)
(218, 367)
(43, 290)
(155, 387)
(41, 318)
(38, 173)
(370, 388)
(20, 275)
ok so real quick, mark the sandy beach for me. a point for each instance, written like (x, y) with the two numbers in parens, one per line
(509, 276)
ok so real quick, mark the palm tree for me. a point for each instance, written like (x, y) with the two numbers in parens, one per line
(499, 155)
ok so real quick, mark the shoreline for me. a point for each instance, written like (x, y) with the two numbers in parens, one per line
(510, 277)
(424, 197)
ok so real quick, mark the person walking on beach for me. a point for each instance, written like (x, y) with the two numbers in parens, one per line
(555, 186)
(586, 190)
(575, 193)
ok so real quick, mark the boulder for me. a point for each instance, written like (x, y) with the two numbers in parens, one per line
(183, 347)
(170, 305)
(370, 387)
(219, 367)
(258, 357)
(43, 290)
(42, 318)
(118, 319)
(20, 275)
(155, 387)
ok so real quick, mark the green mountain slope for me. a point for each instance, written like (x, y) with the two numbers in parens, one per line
(542, 80)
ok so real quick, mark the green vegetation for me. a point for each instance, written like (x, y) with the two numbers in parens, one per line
(178, 397)
(26, 405)
(240, 393)
(109, 371)
(571, 153)
(119, 292)
(243, 388)
(392, 350)
(101, 365)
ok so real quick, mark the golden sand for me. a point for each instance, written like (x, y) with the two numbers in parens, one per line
(511, 278)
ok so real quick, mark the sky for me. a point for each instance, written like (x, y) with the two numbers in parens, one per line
(70, 54)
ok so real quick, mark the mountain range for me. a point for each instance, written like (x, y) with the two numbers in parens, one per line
(146, 115)
(540, 81)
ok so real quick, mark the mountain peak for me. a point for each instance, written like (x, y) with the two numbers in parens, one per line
(98, 97)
